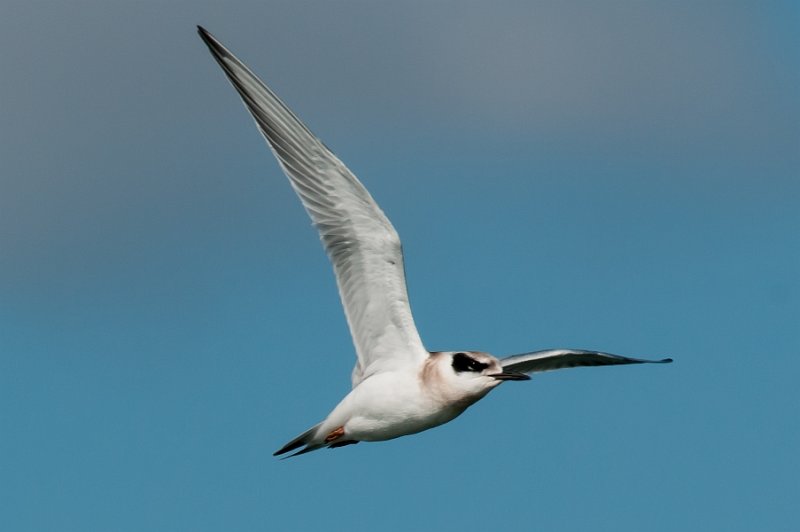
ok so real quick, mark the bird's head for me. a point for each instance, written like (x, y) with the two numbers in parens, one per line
(468, 374)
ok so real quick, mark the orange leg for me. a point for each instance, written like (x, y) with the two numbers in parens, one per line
(335, 435)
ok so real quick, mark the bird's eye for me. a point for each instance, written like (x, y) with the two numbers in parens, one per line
(463, 362)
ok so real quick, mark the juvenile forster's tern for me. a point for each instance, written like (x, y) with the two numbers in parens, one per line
(399, 387)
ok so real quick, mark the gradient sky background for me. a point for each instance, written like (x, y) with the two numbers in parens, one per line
(622, 176)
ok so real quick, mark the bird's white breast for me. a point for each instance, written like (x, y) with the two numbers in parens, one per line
(390, 405)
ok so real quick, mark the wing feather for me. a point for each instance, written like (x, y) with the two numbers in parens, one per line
(361, 242)
(551, 359)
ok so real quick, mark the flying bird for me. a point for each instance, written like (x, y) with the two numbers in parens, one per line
(398, 386)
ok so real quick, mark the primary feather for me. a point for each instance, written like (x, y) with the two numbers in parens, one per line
(551, 359)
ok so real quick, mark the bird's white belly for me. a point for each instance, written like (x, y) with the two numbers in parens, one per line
(387, 406)
(379, 428)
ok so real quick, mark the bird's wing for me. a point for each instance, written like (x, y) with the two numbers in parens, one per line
(360, 241)
(551, 359)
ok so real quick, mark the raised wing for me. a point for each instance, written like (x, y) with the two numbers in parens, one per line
(360, 241)
(551, 359)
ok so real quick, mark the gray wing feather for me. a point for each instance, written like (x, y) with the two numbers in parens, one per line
(551, 359)
(361, 242)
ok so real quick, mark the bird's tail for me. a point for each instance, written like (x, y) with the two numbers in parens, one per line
(304, 439)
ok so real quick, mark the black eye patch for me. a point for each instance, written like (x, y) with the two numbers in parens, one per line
(463, 362)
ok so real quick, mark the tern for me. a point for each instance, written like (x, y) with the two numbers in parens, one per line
(398, 386)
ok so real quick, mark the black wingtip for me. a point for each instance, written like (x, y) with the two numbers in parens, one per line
(209, 39)
(205, 35)
(665, 361)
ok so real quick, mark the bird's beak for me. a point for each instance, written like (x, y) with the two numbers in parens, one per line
(510, 376)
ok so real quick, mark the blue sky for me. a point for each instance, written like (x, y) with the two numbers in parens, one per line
(621, 176)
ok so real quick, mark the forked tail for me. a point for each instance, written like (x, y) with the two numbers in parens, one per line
(303, 440)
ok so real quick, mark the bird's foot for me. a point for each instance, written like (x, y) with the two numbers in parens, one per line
(335, 435)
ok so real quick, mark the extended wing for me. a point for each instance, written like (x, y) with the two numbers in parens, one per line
(551, 359)
(360, 241)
